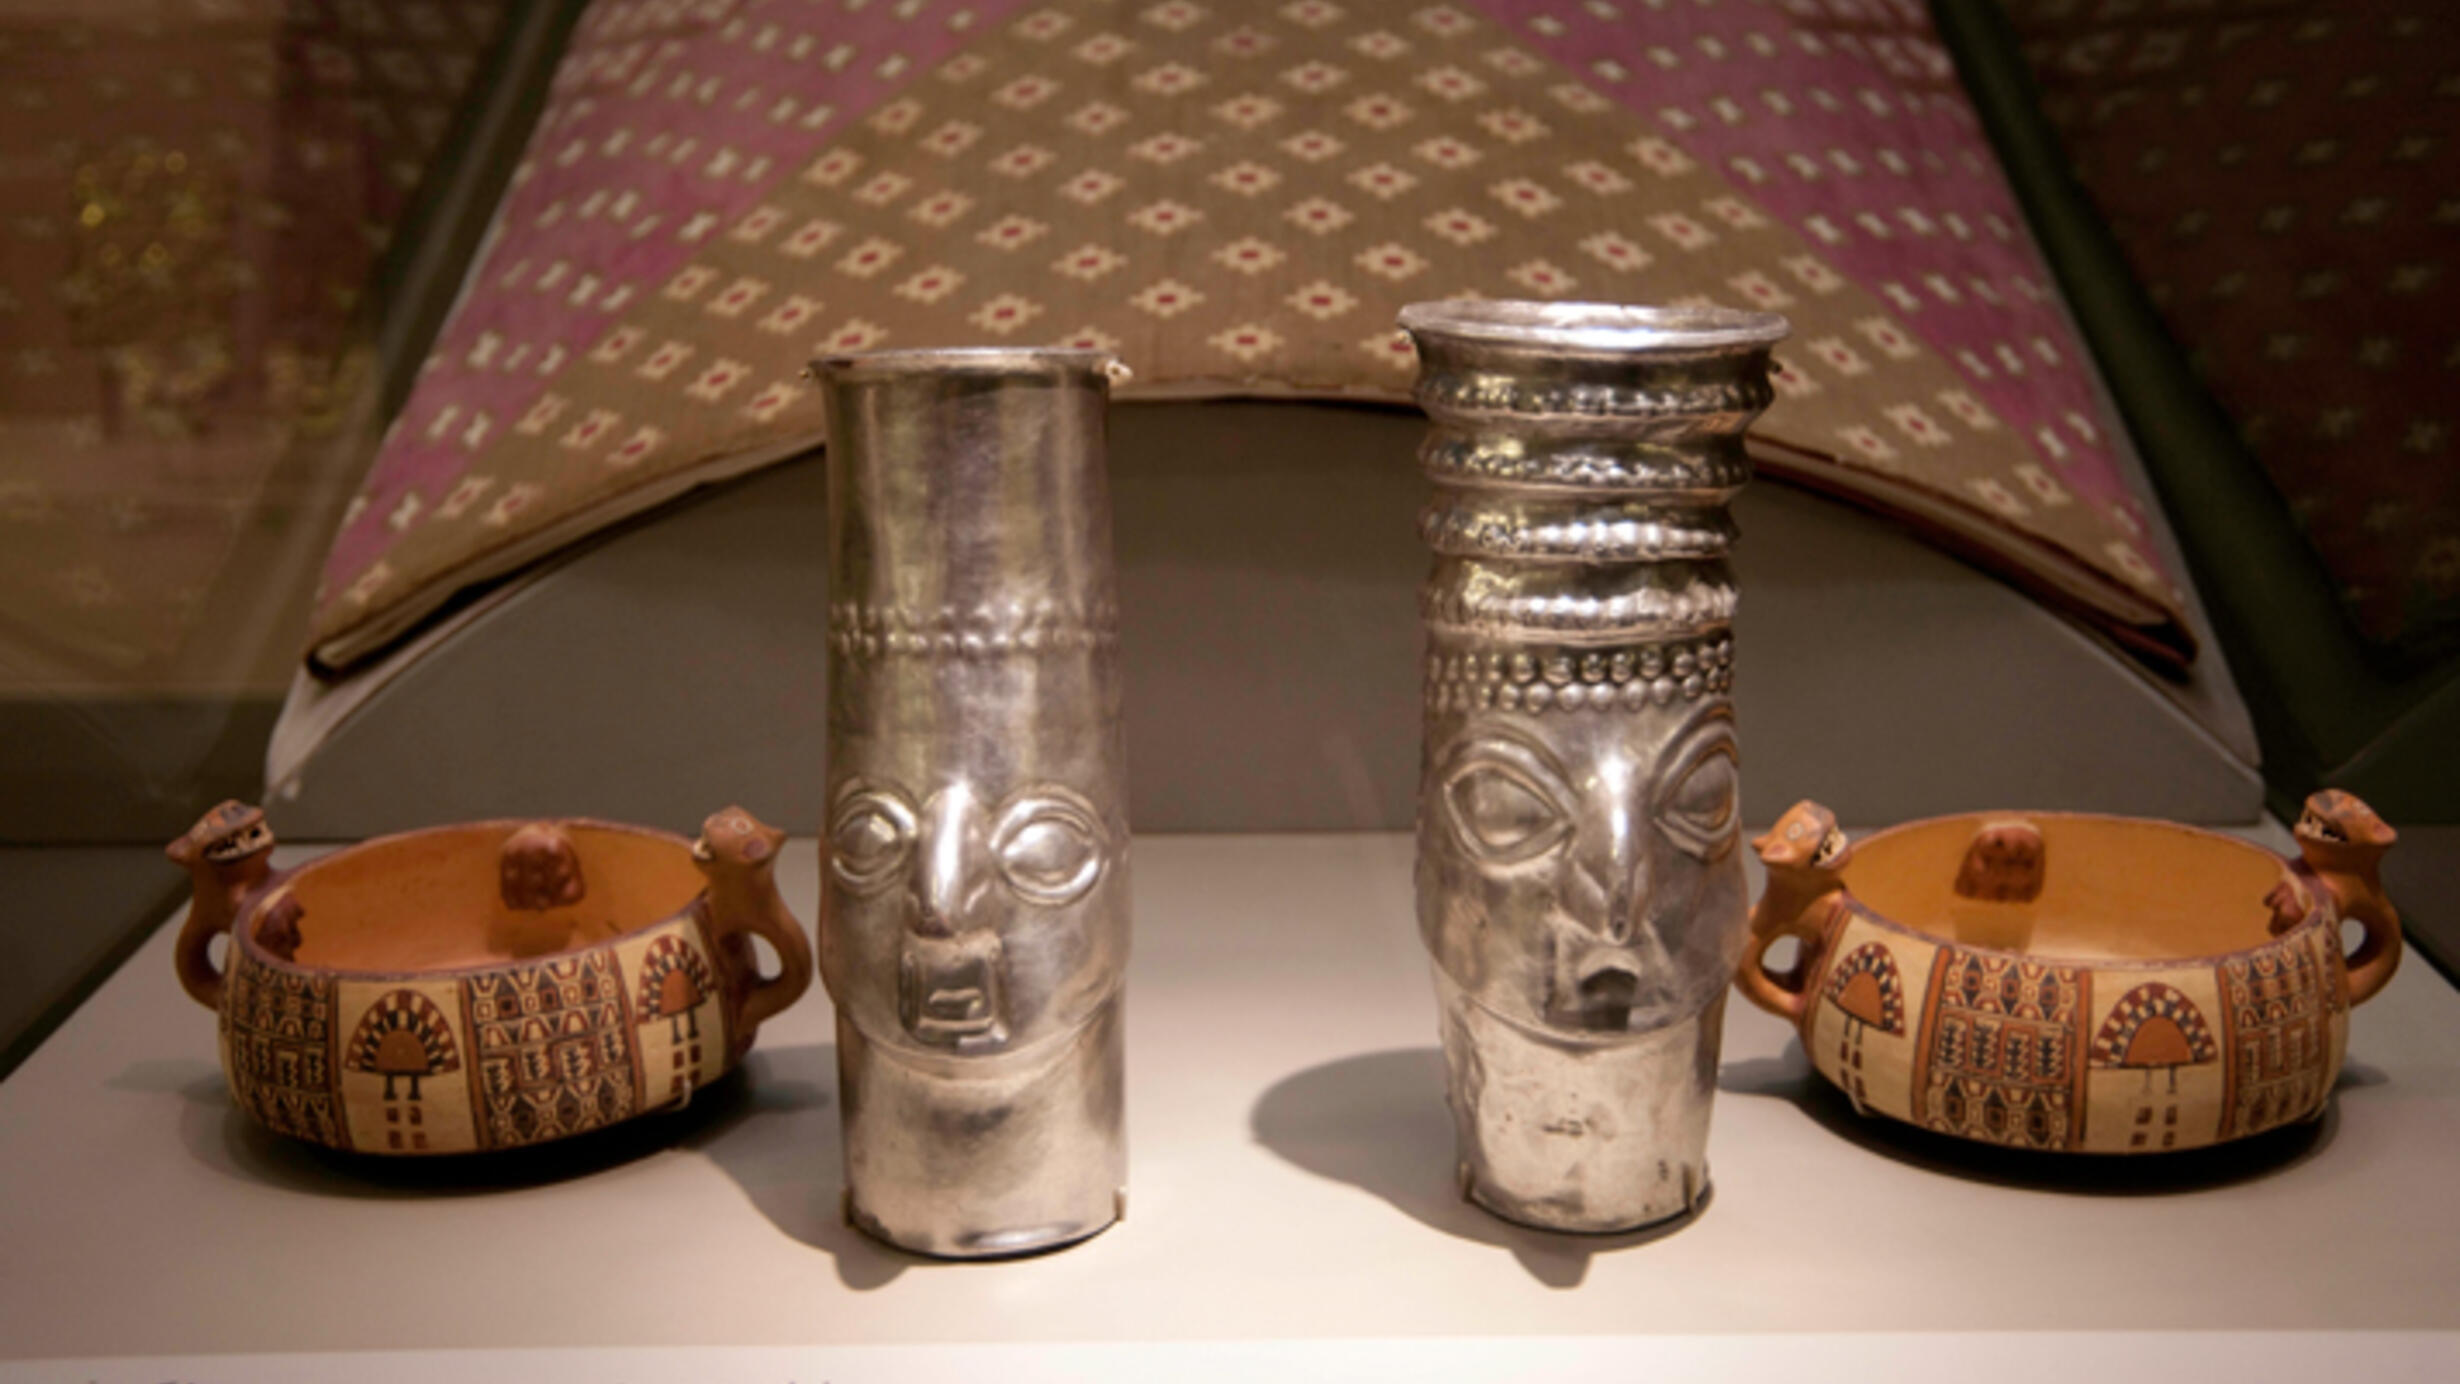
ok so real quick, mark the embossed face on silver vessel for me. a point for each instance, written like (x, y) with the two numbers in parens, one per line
(1574, 848)
(974, 907)
(952, 876)
(975, 899)
(1580, 885)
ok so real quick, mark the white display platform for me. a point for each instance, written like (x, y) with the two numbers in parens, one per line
(1292, 1208)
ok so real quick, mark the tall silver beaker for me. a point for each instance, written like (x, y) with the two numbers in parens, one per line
(1579, 880)
(974, 916)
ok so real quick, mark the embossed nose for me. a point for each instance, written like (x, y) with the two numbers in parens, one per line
(949, 858)
(1608, 891)
(1622, 922)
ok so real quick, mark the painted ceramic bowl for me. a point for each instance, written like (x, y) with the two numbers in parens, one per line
(483, 986)
(2071, 982)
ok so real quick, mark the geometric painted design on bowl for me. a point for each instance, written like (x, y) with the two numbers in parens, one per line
(674, 981)
(680, 1011)
(277, 1049)
(1868, 989)
(554, 1049)
(2279, 1005)
(1868, 993)
(2154, 1026)
(403, 1038)
(2000, 1064)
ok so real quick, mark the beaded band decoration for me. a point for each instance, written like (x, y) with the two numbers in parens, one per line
(1579, 679)
(864, 631)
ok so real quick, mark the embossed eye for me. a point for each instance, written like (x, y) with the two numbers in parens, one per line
(1049, 850)
(869, 840)
(1698, 811)
(1504, 815)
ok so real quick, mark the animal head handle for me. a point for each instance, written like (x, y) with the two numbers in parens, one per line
(1806, 854)
(539, 870)
(737, 853)
(2340, 848)
(2005, 864)
(227, 856)
(2338, 831)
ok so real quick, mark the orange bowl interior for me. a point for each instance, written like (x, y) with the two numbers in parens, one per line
(2112, 888)
(431, 900)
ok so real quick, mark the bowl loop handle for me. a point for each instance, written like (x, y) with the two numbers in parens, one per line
(228, 857)
(1805, 855)
(738, 855)
(2341, 843)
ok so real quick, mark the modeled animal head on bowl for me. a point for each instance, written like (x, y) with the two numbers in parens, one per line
(538, 869)
(277, 924)
(2288, 903)
(232, 834)
(1565, 899)
(2005, 863)
(1806, 840)
(2336, 828)
(734, 840)
(960, 892)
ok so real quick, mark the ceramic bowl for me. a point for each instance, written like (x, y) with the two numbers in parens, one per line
(2070, 982)
(483, 986)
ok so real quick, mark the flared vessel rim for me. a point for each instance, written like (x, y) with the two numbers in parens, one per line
(969, 360)
(1592, 327)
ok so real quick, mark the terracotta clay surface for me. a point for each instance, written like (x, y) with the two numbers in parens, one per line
(487, 985)
(2071, 982)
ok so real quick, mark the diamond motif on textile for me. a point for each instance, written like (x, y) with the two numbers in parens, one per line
(1242, 195)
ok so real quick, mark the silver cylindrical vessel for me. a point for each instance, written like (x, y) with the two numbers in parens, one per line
(1579, 882)
(974, 913)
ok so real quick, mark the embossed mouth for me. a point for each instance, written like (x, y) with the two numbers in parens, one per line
(1598, 992)
(962, 1011)
(1602, 327)
(1607, 995)
(951, 1000)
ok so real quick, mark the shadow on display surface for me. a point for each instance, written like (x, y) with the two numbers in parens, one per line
(792, 1177)
(1377, 1121)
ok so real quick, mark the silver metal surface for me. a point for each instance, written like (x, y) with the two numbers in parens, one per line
(1579, 879)
(974, 912)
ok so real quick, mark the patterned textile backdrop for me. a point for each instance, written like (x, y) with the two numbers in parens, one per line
(1237, 198)
(195, 195)
(2283, 176)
